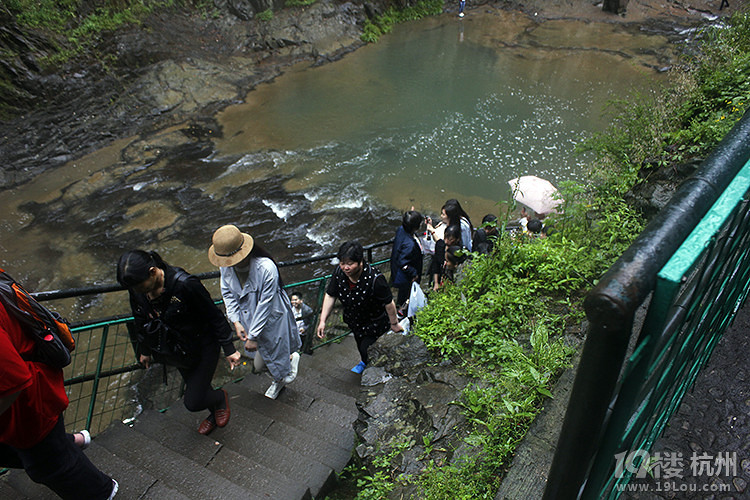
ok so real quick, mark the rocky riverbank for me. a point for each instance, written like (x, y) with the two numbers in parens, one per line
(175, 66)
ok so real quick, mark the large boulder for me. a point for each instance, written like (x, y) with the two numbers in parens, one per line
(408, 404)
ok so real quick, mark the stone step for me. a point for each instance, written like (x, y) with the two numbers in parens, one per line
(333, 413)
(245, 434)
(133, 481)
(245, 471)
(303, 392)
(320, 428)
(344, 382)
(256, 478)
(344, 402)
(15, 484)
(177, 471)
(336, 358)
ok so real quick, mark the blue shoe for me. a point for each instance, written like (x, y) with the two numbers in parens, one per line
(359, 368)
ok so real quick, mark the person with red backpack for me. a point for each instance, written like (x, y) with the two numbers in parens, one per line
(32, 430)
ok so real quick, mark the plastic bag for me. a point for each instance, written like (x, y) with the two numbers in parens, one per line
(417, 299)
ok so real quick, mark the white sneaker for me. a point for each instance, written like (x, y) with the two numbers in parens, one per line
(86, 439)
(115, 487)
(274, 390)
(295, 368)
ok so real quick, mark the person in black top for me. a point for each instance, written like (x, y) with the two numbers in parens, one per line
(406, 256)
(176, 322)
(369, 309)
(485, 236)
(451, 237)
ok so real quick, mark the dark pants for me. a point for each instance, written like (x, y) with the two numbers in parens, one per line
(199, 393)
(59, 464)
(363, 343)
(404, 291)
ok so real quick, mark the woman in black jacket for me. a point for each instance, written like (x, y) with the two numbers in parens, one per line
(177, 323)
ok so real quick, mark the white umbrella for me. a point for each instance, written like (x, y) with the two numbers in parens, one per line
(536, 193)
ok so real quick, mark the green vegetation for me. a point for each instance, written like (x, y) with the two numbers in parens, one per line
(384, 23)
(77, 24)
(299, 3)
(265, 16)
(711, 91)
(503, 323)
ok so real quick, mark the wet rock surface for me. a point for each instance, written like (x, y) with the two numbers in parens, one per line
(178, 65)
(174, 67)
(409, 399)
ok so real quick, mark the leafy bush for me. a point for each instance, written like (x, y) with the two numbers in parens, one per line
(265, 16)
(298, 3)
(375, 28)
(687, 119)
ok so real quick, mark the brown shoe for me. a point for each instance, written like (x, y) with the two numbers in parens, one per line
(207, 426)
(222, 415)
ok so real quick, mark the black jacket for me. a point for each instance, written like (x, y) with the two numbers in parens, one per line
(186, 307)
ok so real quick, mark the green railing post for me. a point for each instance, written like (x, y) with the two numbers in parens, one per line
(95, 388)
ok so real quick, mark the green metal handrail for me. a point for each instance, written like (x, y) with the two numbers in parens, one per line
(610, 408)
(697, 294)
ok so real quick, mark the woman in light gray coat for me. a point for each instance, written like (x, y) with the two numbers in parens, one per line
(257, 305)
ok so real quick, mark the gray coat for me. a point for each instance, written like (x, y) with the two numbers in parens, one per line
(263, 308)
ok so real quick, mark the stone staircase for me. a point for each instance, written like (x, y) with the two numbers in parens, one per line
(290, 448)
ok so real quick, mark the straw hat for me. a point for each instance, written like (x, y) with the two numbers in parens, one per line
(230, 246)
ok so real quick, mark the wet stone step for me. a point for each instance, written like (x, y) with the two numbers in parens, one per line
(163, 431)
(336, 357)
(348, 386)
(133, 481)
(159, 491)
(176, 471)
(206, 450)
(345, 402)
(257, 478)
(244, 435)
(291, 463)
(301, 393)
(241, 417)
(257, 385)
(16, 484)
(332, 413)
(304, 442)
(306, 422)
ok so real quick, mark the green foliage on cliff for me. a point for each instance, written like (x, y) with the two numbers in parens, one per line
(685, 120)
(77, 25)
(382, 24)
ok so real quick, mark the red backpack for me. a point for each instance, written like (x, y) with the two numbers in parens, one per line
(54, 341)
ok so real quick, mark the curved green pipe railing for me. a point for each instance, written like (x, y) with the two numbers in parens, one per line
(610, 308)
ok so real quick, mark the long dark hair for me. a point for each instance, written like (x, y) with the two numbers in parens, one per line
(133, 267)
(259, 251)
(454, 211)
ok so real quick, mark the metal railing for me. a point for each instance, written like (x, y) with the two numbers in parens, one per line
(105, 383)
(694, 257)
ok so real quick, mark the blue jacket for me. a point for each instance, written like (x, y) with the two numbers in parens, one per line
(406, 258)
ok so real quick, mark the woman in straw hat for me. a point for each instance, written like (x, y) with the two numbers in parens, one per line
(169, 303)
(257, 305)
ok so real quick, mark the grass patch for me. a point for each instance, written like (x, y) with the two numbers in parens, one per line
(375, 28)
